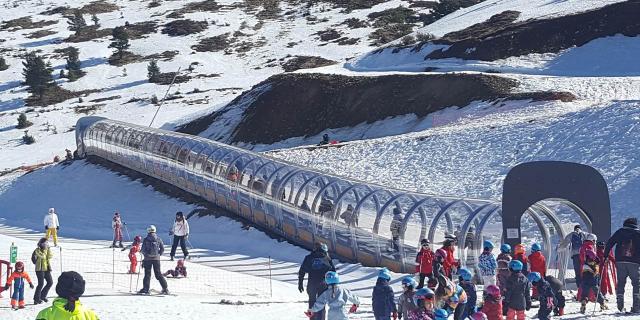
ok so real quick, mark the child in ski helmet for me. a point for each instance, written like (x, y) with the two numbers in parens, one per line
(487, 264)
(502, 261)
(492, 302)
(438, 263)
(590, 282)
(478, 316)
(424, 299)
(382, 299)
(537, 263)
(466, 282)
(608, 269)
(336, 297)
(520, 254)
(133, 257)
(116, 225)
(453, 297)
(406, 302)
(19, 278)
(441, 314)
(546, 295)
(424, 263)
(179, 271)
(518, 294)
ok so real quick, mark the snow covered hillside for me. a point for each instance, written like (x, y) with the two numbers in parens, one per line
(235, 44)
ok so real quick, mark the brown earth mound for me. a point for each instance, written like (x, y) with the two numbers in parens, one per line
(499, 37)
(306, 62)
(25, 23)
(306, 104)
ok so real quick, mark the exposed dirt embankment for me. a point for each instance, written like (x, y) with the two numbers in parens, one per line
(500, 37)
(296, 105)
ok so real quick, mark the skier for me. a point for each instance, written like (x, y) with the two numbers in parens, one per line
(589, 244)
(396, 228)
(503, 260)
(116, 225)
(70, 288)
(438, 265)
(627, 243)
(19, 276)
(450, 264)
(133, 257)
(424, 263)
(538, 264)
(590, 282)
(68, 155)
(406, 302)
(424, 299)
(466, 282)
(487, 264)
(305, 206)
(545, 293)
(520, 254)
(325, 140)
(336, 298)
(607, 269)
(492, 302)
(41, 257)
(574, 240)
(518, 294)
(349, 217)
(382, 300)
(152, 249)
(51, 226)
(316, 264)
(180, 233)
(179, 271)
(557, 286)
(440, 314)
(326, 206)
(452, 296)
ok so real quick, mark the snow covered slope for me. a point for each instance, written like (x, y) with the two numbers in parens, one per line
(256, 38)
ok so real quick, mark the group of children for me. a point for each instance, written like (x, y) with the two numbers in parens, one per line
(511, 281)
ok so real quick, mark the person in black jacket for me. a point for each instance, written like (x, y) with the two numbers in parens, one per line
(627, 253)
(546, 295)
(382, 300)
(518, 294)
(557, 286)
(316, 264)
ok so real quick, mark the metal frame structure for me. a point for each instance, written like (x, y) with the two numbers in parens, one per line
(270, 192)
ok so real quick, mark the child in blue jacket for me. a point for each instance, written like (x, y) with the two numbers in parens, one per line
(384, 306)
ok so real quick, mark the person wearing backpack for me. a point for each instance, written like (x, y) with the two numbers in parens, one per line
(152, 249)
(41, 257)
(575, 239)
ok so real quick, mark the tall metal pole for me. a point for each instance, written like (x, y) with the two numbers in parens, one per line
(165, 96)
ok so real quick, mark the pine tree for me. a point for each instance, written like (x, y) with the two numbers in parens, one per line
(23, 122)
(73, 63)
(120, 41)
(153, 71)
(76, 22)
(95, 20)
(3, 64)
(37, 74)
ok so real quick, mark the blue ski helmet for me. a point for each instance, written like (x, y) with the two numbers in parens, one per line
(515, 265)
(409, 281)
(465, 274)
(536, 247)
(534, 277)
(441, 314)
(423, 294)
(331, 277)
(505, 248)
(487, 245)
(384, 274)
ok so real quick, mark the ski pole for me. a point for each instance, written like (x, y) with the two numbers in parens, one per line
(138, 277)
(60, 259)
(189, 243)
(126, 230)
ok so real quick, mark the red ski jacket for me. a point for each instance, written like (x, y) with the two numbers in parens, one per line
(537, 263)
(424, 259)
(492, 308)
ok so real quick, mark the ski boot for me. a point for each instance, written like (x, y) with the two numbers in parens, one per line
(45, 300)
(120, 245)
(603, 307)
(165, 291)
(583, 307)
(143, 292)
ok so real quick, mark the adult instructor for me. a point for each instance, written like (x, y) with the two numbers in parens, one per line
(152, 249)
(316, 264)
(627, 243)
